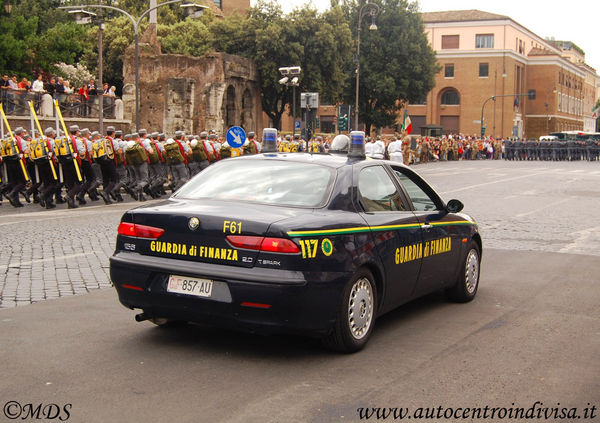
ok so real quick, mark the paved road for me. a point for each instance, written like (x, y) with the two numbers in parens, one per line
(532, 334)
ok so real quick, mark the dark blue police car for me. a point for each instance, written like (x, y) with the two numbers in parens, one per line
(311, 243)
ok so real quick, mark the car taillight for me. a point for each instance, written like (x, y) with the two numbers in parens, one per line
(139, 231)
(279, 245)
(246, 242)
(272, 245)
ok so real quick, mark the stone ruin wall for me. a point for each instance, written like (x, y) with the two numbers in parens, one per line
(192, 94)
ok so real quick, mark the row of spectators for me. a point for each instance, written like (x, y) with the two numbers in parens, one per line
(56, 85)
(15, 95)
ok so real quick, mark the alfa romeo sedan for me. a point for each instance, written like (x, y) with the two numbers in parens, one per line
(319, 244)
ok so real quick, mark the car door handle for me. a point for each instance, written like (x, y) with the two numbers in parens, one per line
(426, 226)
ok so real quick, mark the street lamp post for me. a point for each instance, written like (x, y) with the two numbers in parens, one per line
(373, 10)
(292, 71)
(136, 27)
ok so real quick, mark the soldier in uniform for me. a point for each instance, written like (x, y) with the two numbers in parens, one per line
(91, 181)
(251, 146)
(315, 145)
(395, 150)
(70, 154)
(14, 170)
(378, 149)
(297, 144)
(284, 145)
(177, 151)
(121, 165)
(160, 167)
(199, 160)
(137, 159)
(104, 155)
(47, 177)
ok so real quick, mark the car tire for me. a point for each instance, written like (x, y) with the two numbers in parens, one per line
(467, 282)
(356, 315)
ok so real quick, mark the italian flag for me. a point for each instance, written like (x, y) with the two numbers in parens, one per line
(406, 123)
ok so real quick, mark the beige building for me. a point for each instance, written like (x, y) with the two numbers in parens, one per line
(483, 55)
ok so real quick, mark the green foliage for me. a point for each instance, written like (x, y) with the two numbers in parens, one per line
(64, 42)
(396, 62)
(46, 11)
(315, 41)
(186, 37)
(17, 34)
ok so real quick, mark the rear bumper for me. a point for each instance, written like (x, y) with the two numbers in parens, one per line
(302, 302)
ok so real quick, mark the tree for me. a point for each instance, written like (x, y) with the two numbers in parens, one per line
(397, 65)
(17, 34)
(315, 41)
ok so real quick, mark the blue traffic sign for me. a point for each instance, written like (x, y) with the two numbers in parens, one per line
(297, 124)
(236, 137)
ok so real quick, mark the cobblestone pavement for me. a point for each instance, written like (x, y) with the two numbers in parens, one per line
(537, 206)
(50, 254)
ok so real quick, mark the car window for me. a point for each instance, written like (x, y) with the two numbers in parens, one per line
(378, 191)
(420, 199)
(262, 181)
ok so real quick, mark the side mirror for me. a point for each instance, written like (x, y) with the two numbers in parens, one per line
(454, 206)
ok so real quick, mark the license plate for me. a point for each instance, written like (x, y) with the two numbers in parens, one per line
(190, 286)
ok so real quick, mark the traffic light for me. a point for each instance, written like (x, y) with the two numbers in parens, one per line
(531, 94)
(482, 131)
(343, 123)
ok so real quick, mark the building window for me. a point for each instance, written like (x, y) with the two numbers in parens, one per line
(449, 71)
(219, 4)
(484, 70)
(450, 97)
(449, 41)
(484, 41)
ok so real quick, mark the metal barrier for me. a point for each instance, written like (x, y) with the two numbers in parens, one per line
(16, 102)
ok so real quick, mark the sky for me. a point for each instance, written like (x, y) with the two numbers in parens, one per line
(573, 20)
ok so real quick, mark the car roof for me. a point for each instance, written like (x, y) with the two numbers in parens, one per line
(330, 160)
(326, 159)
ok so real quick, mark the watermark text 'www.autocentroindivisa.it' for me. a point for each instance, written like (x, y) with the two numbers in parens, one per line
(538, 411)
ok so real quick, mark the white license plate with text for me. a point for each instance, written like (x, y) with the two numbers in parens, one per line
(190, 286)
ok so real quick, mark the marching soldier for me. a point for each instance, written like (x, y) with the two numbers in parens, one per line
(251, 146)
(68, 151)
(395, 150)
(315, 146)
(284, 145)
(137, 159)
(14, 159)
(42, 152)
(177, 152)
(104, 156)
(153, 162)
(159, 168)
(121, 165)
(91, 181)
(199, 160)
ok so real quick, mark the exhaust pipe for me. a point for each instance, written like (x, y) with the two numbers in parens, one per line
(141, 317)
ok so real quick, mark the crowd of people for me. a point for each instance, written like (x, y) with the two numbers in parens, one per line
(462, 147)
(73, 100)
(58, 168)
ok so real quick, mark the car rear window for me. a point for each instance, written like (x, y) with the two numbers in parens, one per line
(262, 181)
